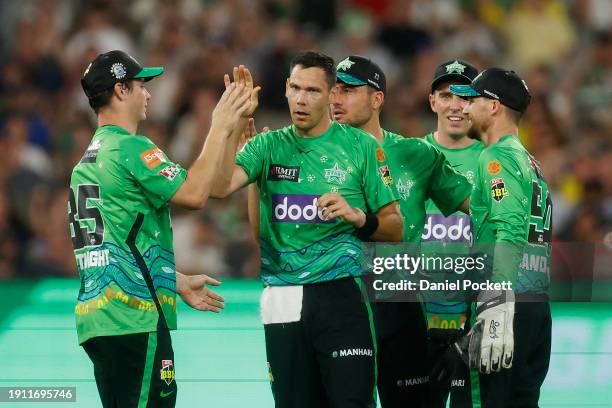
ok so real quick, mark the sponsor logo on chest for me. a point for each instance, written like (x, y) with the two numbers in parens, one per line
(279, 172)
(297, 208)
(455, 228)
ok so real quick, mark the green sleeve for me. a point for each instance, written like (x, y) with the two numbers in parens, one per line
(158, 177)
(447, 188)
(252, 156)
(378, 184)
(508, 212)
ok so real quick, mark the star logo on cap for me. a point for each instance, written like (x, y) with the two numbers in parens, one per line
(345, 64)
(455, 67)
(118, 70)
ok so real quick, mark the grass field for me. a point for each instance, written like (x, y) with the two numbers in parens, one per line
(220, 359)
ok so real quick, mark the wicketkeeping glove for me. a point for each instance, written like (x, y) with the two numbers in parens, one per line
(489, 345)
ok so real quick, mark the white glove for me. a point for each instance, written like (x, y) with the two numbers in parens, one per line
(489, 345)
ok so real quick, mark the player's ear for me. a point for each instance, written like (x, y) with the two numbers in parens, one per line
(495, 107)
(432, 103)
(378, 99)
(121, 90)
(287, 88)
(118, 91)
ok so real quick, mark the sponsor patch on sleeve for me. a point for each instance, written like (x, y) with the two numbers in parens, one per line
(170, 172)
(385, 174)
(498, 189)
(380, 155)
(153, 157)
(493, 167)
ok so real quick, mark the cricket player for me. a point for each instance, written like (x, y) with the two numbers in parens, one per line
(420, 172)
(323, 188)
(122, 236)
(509, 342)
(449, 235)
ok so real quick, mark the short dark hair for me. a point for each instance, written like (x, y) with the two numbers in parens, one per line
(514, 115)
(101, 99)
(314, 59)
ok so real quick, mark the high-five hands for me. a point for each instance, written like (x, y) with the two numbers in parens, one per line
(235, 101)
(242, 76)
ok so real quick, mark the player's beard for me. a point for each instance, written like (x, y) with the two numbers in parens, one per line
(472, 133)
(357, 120)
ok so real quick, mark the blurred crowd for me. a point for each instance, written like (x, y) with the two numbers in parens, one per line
(562, 48)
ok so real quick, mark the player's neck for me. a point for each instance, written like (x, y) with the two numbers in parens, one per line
(109, 117)
(497, 131)
(317, 130)
(451, 142)
(372, 126)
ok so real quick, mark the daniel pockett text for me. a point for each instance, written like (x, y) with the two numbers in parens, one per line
(402, 264)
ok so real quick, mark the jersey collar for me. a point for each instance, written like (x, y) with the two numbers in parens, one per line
(113, 129)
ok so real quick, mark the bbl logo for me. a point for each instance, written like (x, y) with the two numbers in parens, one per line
(498, 189)
(385, 174)
(167, 371)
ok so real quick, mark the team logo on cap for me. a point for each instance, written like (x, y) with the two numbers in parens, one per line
(345, 64)
(118, 70)
(455, 67)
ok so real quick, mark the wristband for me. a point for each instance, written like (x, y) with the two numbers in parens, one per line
(369, 227)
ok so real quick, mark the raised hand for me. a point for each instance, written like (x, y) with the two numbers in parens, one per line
(250, 132)
(242, 76)
(234, 102)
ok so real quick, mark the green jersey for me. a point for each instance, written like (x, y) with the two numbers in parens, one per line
(454, 229)
(298, 246)
(421, 172)
(511, 208)
(122, 237)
